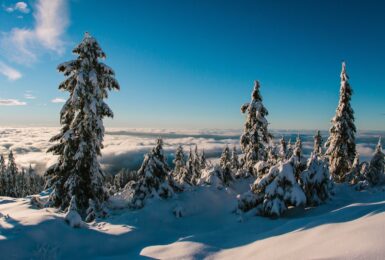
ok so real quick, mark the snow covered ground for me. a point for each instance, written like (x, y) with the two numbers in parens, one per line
(351, 226)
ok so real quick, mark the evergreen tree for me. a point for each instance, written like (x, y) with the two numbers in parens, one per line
(3, 169)
(289, 153)
(197, 167)
(297, 159)
(180, 172)
(189, 178)
(123, 177)
(203, 160)
(234, 160)
(298, 147)
(376, 172)
(274, 193)
(282, 149)
(256, 136)
(272, 155)
(225, 164)
(11, 175)
(318, 143)
(154, 178)
(79, 143)
(21, 184)
(315, 180)
(341, 145)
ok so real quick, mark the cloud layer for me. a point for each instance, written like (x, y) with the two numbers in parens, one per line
(125, 148)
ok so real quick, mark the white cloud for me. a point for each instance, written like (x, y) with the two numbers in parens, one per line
(25, 45)
(9, 72)
(28, 95)
(19, 6)
(58, 100)
(11, 102)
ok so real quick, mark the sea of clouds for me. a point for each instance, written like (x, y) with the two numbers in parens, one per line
(125, 148)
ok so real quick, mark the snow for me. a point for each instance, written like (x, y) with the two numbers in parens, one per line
(350, 226)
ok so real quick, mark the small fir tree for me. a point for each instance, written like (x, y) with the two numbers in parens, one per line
(376, 171)
(11, 176)
(234, 159)
(315, 180)
(154, 178)
(197, 167)
(318, 143)
(203, 160)
(225, 164)
(274, 193)
(180, 172)
(282, 149)
(3, 169)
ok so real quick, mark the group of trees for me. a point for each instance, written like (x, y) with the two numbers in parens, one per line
(287, 179)
(18, 183)
(283, 177)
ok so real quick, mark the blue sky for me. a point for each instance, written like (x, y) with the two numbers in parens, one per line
(191, 64)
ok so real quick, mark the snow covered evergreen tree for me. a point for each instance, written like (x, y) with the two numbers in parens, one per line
(203, 160)
(341, 145)
(11, 175)
(225, 164)
(376, 171)
(77, 172)
(282, 149)
(273, 193)
(123, 177)
(318, 143)
(234, 159)
(197, 167)
(154, 178)
(256, 136)
(3, 168)
(289, 153)
(315, 180)
(180, 172)
(297, 159)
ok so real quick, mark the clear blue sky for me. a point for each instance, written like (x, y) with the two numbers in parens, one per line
(191, 64)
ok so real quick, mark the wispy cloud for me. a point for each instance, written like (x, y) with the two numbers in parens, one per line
(11, 102)
(9, 72)
(28, 95)
(58, 100)
(23, 45)
(19, 6)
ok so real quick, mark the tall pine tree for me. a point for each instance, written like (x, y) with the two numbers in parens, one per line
(79, 143)
(255, 137)
(341, 145)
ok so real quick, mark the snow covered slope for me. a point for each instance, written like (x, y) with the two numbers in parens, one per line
(351, 226)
